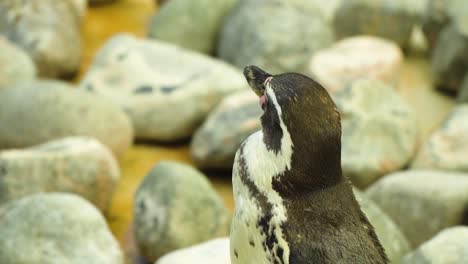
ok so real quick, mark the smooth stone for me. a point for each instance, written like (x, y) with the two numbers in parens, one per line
(390, 236)
(215, 251)
(422, 203)
(449, 246)
(77, 165)
(40, 111)
(48, 30)
(215, 143)
(279, 36)
(354, 58)
(447, 147)
(450, 59)
(176, 207)
(56, 228)
(389, 19)
(193, 25)
(379, 131)
(167, 91)
(15, 64)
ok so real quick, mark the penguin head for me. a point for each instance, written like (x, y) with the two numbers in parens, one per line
(298, 107)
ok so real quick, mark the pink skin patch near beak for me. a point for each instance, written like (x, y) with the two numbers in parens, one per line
(264, 98)
(262, 101)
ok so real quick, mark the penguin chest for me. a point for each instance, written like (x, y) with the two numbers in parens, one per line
(257, 235)
(247, 238)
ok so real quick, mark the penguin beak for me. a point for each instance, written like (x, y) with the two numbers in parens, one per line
(257, 79)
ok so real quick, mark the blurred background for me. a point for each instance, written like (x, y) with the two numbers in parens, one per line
(119, 121)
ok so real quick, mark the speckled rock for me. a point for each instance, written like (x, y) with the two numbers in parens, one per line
(355, 58)
(450, 58)
(447, 147)
(78, 165)
(395, 243)
(39, 111)
(197, 22)
(215, 143)
(176, 207)
(167, 91)
(422, 203)
(48, 30)
(215, 251)
(390, 19)
(379, 131)
(56, 228)
(279, 36)
(450, 246)
(15, 64)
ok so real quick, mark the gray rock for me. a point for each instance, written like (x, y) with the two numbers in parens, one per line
(390, 19)
(176, 207)
(422, 203)
(191, 24)
(379, 131)
(279, 36)
(355, 58)
(450, 59)
(39, 111)
(167, 91)
(439, 14)
(15, 64)
(392, 239)
(56, 228)
(463, 94)
(447, 147)
(215, 143)
(78, 165)
(215, 251)
(48, 30)
(450, 246)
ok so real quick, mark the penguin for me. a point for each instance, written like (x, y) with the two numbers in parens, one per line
(292, 203)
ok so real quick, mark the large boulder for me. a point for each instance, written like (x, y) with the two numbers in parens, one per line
(379, 131)
(48, 30)
(390, 19)
(78, 165)
(176, 207)
(56, 228)
(355, 58)
(279, 36)
(450, 58)
(447, 147)
(39, 111)
(167, 91)
(15, 64)
(191, 24)
(215, 251)
(422, 203)
(450, 246)
(215, 143)
(438, 14)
